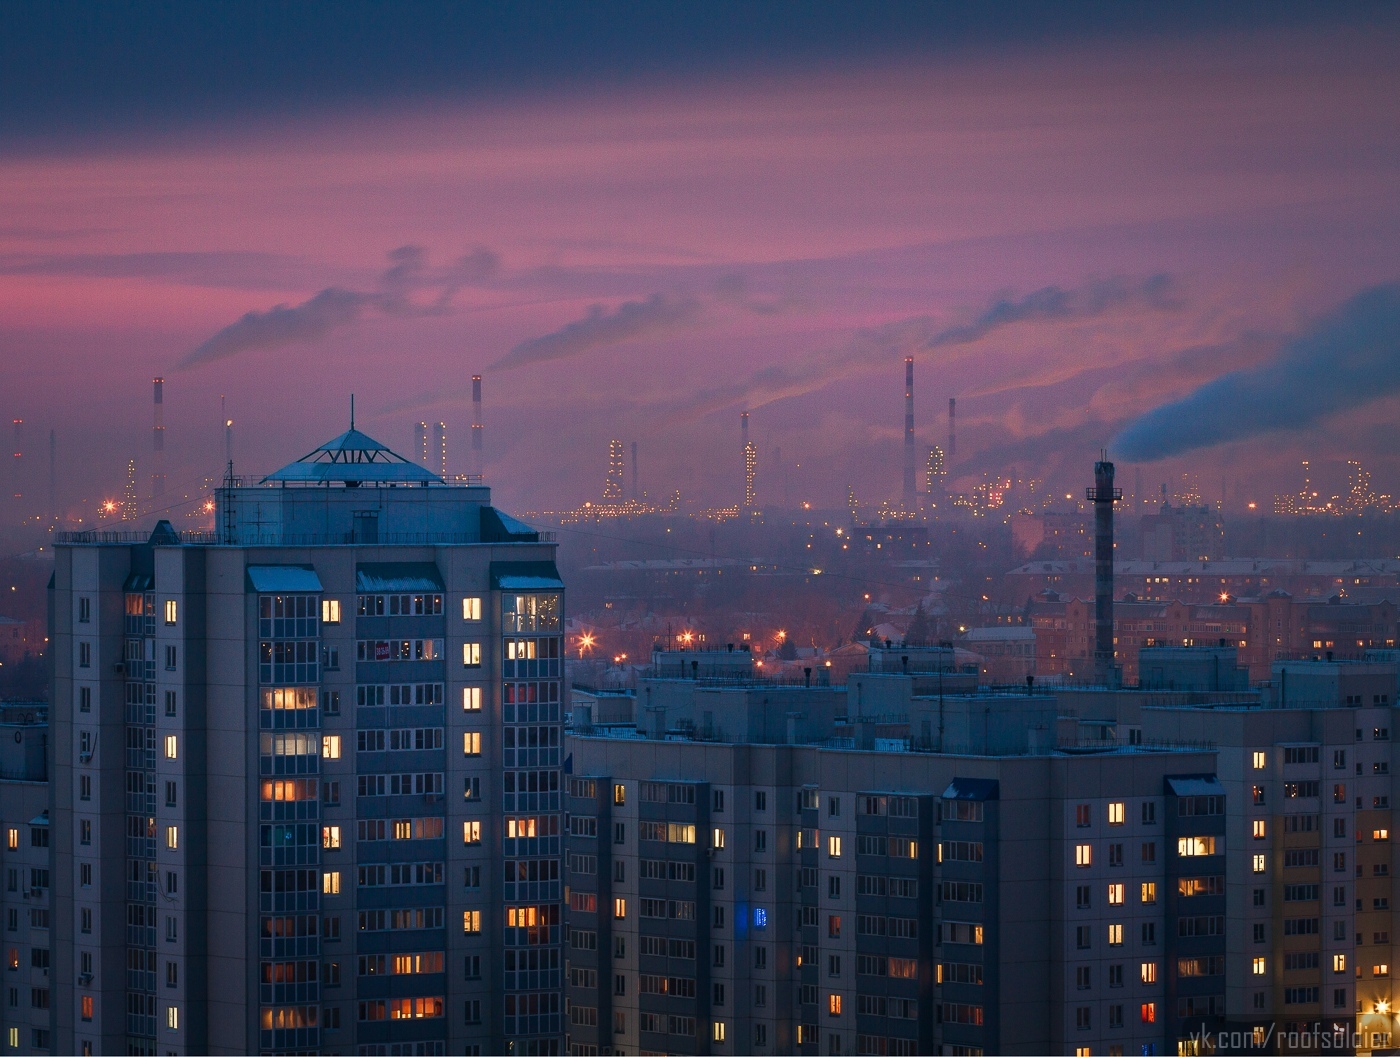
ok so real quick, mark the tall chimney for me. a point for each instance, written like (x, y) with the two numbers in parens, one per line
(158, 440)
(440, 448)
(1103, 495)
(952, 426)
(910, 461)
(420, 442)
(18, 464)
(477, 427)
(636, 493)
(53, 473)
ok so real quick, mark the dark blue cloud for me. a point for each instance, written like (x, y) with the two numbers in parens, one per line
(1348, 358)
(72, 67)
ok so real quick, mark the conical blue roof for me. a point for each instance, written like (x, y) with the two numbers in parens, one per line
(353, 458)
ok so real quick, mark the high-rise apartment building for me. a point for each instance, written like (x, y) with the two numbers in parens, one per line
(1084, 871)
(26, 980)
(821, 897)
(306, 773)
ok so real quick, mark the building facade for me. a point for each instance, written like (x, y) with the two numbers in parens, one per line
(24, 864)
(813, 897)
(306, 773)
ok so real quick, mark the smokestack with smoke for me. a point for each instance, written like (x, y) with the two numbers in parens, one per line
(909, 457)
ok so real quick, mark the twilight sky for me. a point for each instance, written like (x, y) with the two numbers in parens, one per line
(1083, 222)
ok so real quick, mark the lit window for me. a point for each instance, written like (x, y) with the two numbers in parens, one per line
(471, 921)
(330, 837)
(1192, 846)
(1115, 895)
(717, 840)
(1261, 830)
(172, 747)
(330, 883)
(1259, 863)
(1380, 834)
(1083, 855)
(833, 1005)
(330, 747)
(12, 838)
(1148, 1012)
(172, 837)
(471, 699)
(1116, 814)
(619, 908)
(1339, 963)
(1149, 891)
(172, 610)
(1258, 761)
(719, 1031)
(172, 1017)
(87, 1007)
(833, 847)
(471, 654)
(471, 743)
(471, 832)
(471, 609)
(330, 611)
(1148, 972)
(1115, 935)
(1260, 966)
(619, 794)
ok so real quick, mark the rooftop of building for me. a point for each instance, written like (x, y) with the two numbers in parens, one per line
(321, 500)
(351, 460)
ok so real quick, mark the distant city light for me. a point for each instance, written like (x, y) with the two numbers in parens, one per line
(585, 642)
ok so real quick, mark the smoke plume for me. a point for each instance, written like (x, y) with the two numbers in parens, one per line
(631, 319)
(1053, 303)
(336, 307)
(1348, 358)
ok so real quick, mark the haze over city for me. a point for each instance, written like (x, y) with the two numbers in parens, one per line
(877, 524)
(638, 228)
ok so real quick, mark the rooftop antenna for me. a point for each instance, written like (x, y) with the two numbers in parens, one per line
(352, 410)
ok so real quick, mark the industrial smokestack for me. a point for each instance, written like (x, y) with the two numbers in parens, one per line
(420, 442)
(636, 494)
(158, 440)
(1103, 495)
(909, 458)
(53, 474)
(440, 448)
(952, 426)
(17, 464)
(477, 427)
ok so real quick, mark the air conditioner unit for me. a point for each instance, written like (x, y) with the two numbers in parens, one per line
(85, 757)
(119, 667)
(84, 979)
